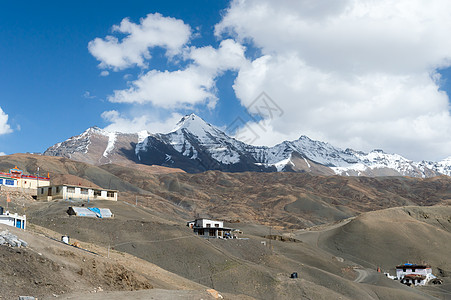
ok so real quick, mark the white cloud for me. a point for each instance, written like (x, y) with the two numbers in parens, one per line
(193, 85)
(4, 126)
(153, 124)
(229, 56)
(87, 95)
(2, 153)
(104, 73)
(357, 74)
(153, 31)
(168, 89)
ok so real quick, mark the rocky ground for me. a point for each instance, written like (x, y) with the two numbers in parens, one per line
(49, 269)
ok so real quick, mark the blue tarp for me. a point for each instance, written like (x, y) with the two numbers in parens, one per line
(91, 212)
(96, 211)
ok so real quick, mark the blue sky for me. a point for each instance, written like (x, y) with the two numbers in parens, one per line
(331, 82)
(46, 68)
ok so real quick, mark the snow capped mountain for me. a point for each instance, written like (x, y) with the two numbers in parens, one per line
(195, 146)
(441, 167)
(97, 146)
(192, 128)
(379, 163)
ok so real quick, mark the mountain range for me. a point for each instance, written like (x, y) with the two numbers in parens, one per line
(196, 146)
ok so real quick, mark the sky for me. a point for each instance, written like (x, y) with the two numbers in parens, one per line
(357, 74)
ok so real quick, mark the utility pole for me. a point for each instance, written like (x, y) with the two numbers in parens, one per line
(270, 237)
(37, 184)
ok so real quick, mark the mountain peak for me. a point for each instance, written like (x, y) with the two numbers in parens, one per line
(96, 129)
(188, 119)
(195, 124)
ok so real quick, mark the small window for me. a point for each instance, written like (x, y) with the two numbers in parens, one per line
(216, 225)
(404, 269)
(97, 193)
(84, 191)
(70, 189)
(110, 194)
(413, 270)
(208, 225)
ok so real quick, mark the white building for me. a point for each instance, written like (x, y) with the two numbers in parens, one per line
(17, 179)
(13, 220)
(413, 274)
(74, 192)
(210, 228)
(206, 223)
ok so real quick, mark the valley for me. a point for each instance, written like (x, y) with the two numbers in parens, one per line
(334, 231)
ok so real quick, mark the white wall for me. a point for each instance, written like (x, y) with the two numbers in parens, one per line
(7, 220)
(11, 219)
(400, 272)
(3, 182)
(205, 222)
(73, 192)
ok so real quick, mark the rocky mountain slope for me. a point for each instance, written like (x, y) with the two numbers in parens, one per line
(197, 146)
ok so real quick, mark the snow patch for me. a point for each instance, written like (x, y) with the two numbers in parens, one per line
(111, 140)
(142, 135)
(281, 164)
(308, 165)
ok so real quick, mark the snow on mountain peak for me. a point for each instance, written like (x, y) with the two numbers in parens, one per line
(195, 125)
(95, 129)
(196, 139)
(446, 161)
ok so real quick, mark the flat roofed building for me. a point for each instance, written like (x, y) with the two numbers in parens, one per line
(14, 220)
(16, 178)
(74, 192)
(414, 274)
(210, 228)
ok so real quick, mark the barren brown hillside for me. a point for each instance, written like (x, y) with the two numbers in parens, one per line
(285, 199)
(334, 231)
(292, 200)
(246, 266)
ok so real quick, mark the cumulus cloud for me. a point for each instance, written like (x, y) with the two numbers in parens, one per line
(2, 153)
(4, 126)
(358, 74)
(153, 124)
(153, 31)
(193, 85)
